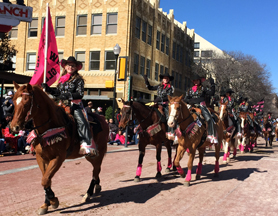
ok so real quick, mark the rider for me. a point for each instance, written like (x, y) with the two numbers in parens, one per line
(71, 87)
(271, 120)
(196, 96)
(163, 90)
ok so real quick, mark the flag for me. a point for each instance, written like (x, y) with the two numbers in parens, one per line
(53, 67)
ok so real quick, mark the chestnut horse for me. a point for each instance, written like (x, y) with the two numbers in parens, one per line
(147, 118)
(276, 130)
(267, 131)
(192, 132)
(253, 135)
(31, 102)
(228, 141)
(245, 139)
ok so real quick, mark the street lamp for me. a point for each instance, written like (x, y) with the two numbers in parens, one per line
(116, 50)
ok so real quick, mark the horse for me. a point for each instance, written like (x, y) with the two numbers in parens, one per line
(253, 135)
(191, 135)
(228, 138)
(31, 102)
(245, 138)
(267, 131)
(276, 130)
(151, 131)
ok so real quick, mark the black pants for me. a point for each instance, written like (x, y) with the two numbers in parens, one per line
(208, 119)
(83, 126)
(166, 112)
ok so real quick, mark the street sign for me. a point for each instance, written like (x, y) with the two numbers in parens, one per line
(15, 12)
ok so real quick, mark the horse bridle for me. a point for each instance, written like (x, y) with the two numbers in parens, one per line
(176, 117)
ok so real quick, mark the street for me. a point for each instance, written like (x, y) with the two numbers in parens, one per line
(246, 186)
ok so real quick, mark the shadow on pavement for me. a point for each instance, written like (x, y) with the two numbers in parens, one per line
(26, 159)
(139, 193)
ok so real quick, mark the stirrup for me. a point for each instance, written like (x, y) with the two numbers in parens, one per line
(88, 150)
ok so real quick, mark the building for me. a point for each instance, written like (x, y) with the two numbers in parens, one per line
(152, 40)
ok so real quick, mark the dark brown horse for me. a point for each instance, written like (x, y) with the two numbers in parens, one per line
(245, 125)
(192, 131)
(267, 131)
(32, 103)
(147, 117)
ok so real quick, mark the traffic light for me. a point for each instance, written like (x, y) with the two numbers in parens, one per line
(122, 68)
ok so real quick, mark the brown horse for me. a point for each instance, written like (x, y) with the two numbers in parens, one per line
(276, 130)
(253, 135)
(32, 103)
(245, 139)
(192, 132)
(267, 131)
(152, 131)
(228, 138)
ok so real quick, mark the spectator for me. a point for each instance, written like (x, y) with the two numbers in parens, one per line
(21, 143)
(2, 141)
(93, 111)
(112, 130)
(8, 105)
(89, 107)
(99, 111)
(118, 117)
(8, 118)
(120, 139)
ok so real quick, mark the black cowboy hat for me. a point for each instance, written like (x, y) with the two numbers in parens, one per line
(245, 99)
(166, 75)
(71, 59)
(222, 93)
(269, 113)
(229, 91)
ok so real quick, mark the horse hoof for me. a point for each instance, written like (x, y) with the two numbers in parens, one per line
(167, 170)
(198, 177)
(174, 168)
(158, 175)
(187, 183)
(241, 152)
(43, 209)
(137, 179)
(54, 203)
(224, 162)
(85, 198)
(182, 175)
(97, 189)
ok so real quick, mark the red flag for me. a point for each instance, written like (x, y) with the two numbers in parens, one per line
(53, 67)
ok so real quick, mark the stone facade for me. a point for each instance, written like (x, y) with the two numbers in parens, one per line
(128, 12)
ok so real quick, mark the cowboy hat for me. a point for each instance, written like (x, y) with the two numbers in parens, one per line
(229, 91)
(222, 93)
(166, 75)
(71, 59)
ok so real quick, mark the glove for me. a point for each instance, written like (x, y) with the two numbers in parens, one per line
(64, 96)
(146, 79)
(211, 80)
(46, 87)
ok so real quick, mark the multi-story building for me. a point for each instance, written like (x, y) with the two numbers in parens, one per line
(154, 42)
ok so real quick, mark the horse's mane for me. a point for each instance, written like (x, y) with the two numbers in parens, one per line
(58, 114)
(141, 103)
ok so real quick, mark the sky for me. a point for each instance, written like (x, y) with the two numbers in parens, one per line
(249, 26)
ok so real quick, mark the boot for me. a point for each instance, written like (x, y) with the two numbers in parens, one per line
(88, 146)
(208, 118)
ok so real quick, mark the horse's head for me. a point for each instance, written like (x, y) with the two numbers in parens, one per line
(174, 110)
(223, 112)
(23, 104)
(126, 114)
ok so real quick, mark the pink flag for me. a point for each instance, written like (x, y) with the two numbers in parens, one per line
(53, 67)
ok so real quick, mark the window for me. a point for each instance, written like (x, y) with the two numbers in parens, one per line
(96, 24)
(174, 50)
(33, 28)
(181, 55)
(43, 19)
(142, 65)
(112, 22)
(81, 28)
(148, 68)
(94, 60)
(162, 42)
(13, 32)
(31, 61)
(157, 40)
(161, 69)
(150, 34)
(156, 71)
(138, 27)
(166, 70)
(206, 53)
(109, 60)
(80, 56)
(61, 55)
(136, 63)
(197, 45)
(144, 31)
(13, 59)
(180, 80)
(178, 52)
(60, 26)
(196, 53)
(167, 45)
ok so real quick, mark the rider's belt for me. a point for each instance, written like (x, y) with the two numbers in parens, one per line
(76, 101)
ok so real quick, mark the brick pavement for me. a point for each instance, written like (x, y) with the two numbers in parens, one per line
(246, 186)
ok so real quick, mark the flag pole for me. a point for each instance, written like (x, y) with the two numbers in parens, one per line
(46, 44)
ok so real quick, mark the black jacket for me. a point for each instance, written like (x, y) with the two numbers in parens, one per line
(162, 92)
(198, 96)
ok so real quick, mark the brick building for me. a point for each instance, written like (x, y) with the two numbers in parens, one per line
(153, 41)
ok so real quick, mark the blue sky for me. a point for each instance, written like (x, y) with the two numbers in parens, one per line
(249, 26)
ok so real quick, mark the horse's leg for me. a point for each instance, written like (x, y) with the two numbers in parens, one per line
(225, 146)
(200, 164)
(190, 165)
(169, 152)
(179, 154)
(158, 160)
(142, 148)
(50, 198)
(217, 155)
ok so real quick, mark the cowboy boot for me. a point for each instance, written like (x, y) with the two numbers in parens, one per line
(208, 118)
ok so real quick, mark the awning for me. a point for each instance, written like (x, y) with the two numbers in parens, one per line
(96, 97)
(10, 77)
